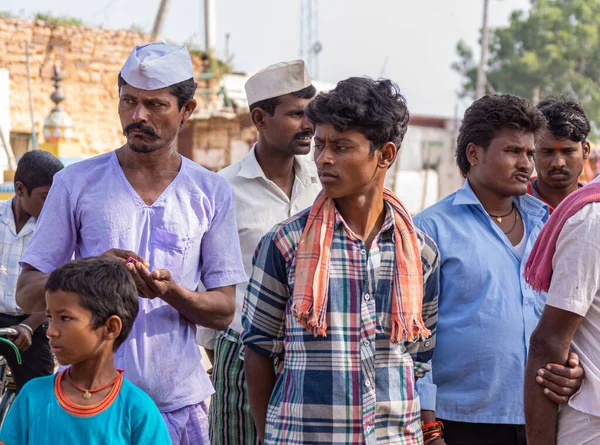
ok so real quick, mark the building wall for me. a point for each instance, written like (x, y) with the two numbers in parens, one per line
(90, 60)
(425, 170)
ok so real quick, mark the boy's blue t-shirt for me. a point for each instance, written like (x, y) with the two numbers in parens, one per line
(37, 417)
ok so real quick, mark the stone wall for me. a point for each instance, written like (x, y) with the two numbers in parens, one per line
(89, 59)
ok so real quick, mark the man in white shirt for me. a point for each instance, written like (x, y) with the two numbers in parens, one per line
(18, 217)
(274, 181)
(571, 319)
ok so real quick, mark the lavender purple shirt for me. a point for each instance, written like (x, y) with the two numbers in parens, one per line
(189, 230)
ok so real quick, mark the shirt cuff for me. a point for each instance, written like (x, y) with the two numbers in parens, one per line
(427, 393)
(262, 345)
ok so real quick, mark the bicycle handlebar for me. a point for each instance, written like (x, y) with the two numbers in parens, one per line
(10, 332)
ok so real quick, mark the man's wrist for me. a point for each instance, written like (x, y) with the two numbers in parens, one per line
(172, 294)
(27, 327)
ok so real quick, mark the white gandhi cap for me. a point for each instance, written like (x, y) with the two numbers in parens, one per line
(157, 65)
(277, 80)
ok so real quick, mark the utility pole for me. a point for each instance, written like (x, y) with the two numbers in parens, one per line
(210, 28)
(159, 21)
(481, 78)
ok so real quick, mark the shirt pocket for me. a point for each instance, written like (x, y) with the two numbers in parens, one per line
(168, 250)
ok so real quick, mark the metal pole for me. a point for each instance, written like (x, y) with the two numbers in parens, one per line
(10, 156)
(481, 80)
(33, 134)
(159, 21)
(210, 28)
(426, 175)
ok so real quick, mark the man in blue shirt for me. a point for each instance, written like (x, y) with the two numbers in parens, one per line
(487, 313)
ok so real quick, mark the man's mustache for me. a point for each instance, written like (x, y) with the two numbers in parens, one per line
(304, 134)
(143, 128)
(560, 171)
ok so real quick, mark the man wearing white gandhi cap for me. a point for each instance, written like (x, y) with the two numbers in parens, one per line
(274, 181)
(169, 220)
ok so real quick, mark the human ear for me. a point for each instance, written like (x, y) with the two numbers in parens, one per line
(112, 327)
(188, 109)
(473, 154)
(586, 149)
(20, 188)
(387, 155)
(258, 118)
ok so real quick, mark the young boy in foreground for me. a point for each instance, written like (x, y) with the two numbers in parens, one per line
(91, 306)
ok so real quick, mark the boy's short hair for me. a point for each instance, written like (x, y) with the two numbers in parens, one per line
(491, 114)
(374, 108)
(105, 288)
(566, 119)
(37, 169)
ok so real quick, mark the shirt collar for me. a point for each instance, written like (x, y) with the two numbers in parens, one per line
(305, 168)
(525, 203)
(388, 222)
(8, 219)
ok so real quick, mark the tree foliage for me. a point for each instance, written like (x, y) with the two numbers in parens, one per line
(552, 49)
(54, 20)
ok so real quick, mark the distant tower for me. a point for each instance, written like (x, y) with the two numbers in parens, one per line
(310, 46)
(58, 126)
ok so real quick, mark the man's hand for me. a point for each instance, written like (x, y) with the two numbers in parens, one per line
(438, 442)
(122, 255)
(150, 284)
(23, 340)
(561, 382)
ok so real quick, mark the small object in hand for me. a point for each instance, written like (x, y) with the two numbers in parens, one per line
(134, 262)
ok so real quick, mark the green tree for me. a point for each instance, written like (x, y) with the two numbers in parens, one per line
(551, 50)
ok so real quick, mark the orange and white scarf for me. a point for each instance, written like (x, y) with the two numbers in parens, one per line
(311, 280)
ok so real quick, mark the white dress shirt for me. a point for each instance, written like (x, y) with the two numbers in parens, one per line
(259, 205)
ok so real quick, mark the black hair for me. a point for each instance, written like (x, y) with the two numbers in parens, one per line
(184, 91)
(37, 169)
(491, 114)
(105, 288)
(269, 105)
(566, 119)
(375, 108)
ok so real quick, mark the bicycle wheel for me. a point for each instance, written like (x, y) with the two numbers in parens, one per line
(5, 403)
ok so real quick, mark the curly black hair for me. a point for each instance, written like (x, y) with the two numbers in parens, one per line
(490, 114)
(375, 108)
(269, 105)
(566, 119)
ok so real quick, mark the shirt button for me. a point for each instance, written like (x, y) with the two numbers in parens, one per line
(367, 297)
(368, 383)
(369, 429)
(363, 252)
(427, 343)
(366, 343)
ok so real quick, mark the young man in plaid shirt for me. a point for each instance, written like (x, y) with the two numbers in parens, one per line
(343, 296)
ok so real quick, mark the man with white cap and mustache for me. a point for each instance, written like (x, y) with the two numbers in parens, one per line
(274, 181)
(169, 220)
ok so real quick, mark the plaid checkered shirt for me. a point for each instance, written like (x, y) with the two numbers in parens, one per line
(353, 386)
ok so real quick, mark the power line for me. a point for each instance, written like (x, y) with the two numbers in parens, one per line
(109, 5)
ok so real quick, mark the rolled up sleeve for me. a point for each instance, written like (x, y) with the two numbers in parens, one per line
(267, 295)
(427, 392)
